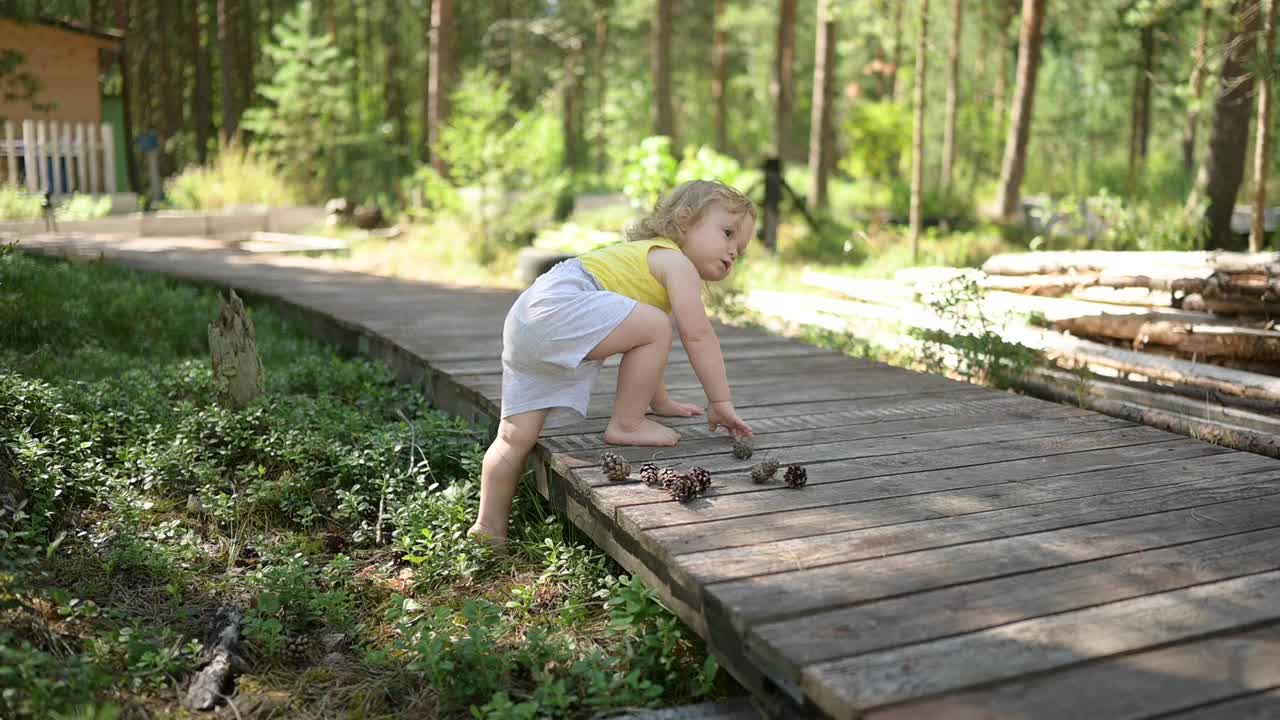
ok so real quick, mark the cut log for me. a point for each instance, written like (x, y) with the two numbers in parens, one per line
(215, 681)
(1209, 340)
(1046, 285)
(1065, 348)
(1046, 263)
(1232, 305)
(237, 369)
(1136, 296)
(1235, 429)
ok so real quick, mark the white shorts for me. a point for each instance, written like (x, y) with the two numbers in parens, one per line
(548, 333)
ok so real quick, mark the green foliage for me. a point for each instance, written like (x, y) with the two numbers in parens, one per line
(235, 178)
(307, 102)
(432, 194)
(973, 348)
(650, 170)
(83, 207)
(488, 144)
(145, 506)
(879, 136)
(17, 204)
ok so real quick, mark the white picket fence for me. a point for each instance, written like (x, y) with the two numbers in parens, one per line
(61, 157)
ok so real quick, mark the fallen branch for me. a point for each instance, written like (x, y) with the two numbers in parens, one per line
(216, 680)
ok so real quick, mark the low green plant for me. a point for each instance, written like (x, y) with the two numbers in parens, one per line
(235, 178)
(973, 347)
(18, 204)
(83, 207)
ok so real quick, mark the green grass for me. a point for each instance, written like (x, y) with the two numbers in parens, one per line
(333, 509)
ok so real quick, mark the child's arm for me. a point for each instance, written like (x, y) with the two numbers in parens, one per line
(684, 288)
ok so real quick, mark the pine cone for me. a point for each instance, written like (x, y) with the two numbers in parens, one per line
(763, 471)
(741, 449)
(616, 467)
(649, 474)
(667, 476)
(701, 479)
(684, 488)
(795, 476)
(297, 649)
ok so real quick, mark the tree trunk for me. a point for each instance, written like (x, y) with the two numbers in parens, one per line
(720, 77)
(438, 78)
(602, 86)
(95, 14)
(201, 105)
(824, 70)
(1262, 143)
(126, 88)
(917, 141)
(1220, 174)
(1197, 88)
(171, 83)
(1000, 91)
(663, 115)
(392, 87)
(570, 90)
(1015, 149)
(247, 45)
(896, 58)
(1140, 123)
(784, 78)
(953, 92)
(427, 152)
(237, 369)
(227, 57)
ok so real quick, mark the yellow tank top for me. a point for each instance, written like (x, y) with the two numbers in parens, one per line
(624, 268)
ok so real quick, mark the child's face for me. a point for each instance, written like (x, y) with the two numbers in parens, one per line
(715, 242)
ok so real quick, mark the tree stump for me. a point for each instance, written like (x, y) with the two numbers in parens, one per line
(237, 369)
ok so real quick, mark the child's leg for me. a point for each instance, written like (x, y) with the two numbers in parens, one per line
(644, 338)
(503, 465)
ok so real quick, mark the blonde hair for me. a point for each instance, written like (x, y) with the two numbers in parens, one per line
(674, 214)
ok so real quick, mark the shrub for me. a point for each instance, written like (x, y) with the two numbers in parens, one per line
(236, 178)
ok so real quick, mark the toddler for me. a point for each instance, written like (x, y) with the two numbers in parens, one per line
(617, 299)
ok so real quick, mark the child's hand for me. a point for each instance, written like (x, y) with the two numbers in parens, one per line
(674, 408)
(722, 414)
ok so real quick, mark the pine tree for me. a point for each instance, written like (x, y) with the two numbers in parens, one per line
(308, 103)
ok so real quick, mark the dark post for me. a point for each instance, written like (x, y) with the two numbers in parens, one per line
(772, 202)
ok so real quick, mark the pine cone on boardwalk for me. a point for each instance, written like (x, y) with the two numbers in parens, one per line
(741, 449)
(763, 471)
(649, 474)
(701, 479)
(616, 467)
(795, 476)
(684, 488)
(667, 476)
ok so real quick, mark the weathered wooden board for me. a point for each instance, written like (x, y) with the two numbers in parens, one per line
(1217, 677)
(845, 688)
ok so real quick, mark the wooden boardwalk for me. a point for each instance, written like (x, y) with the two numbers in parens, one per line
(958, 552)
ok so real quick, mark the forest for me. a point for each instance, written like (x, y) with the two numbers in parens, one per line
(911, 111)
(1110, 167)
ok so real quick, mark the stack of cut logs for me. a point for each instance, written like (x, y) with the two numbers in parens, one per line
(1186, 342)
(1213, 307)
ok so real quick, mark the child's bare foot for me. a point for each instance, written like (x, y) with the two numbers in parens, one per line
(645, 432)
(483, 534)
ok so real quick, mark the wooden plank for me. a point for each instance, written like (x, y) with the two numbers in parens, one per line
(914, 598)
(877, 531)
(919, 409)
(694, 450)
(82, 174)
(880, 406)
(849, 687)
(29, 155)
(804, 447)
(1041, 453)
(1257, 706)
(94, 160)
(779, 501)
(790, 349)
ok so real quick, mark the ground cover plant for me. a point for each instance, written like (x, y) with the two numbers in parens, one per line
(331, 511)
